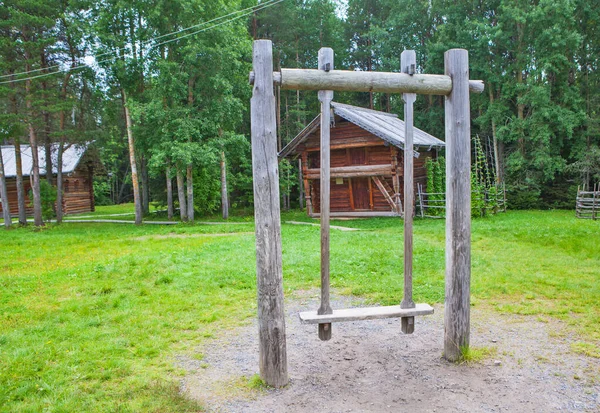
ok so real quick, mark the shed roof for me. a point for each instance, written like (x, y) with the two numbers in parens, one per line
(386, 126)
(71, 158)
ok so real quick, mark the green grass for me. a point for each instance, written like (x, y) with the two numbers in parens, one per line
(93, 315)
(474, 355)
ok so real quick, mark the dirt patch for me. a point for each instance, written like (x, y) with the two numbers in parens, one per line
(369, 366)
(192, 235)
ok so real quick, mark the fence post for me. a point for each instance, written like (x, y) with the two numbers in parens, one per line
(596, 190)
(458, 206)
(271, 321)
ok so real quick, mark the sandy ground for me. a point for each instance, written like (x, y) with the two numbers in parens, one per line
(370, 366)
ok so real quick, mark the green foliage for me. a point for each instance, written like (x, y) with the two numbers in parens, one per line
(48, 199)
(101, 191)
(436, 184)
(484, 190)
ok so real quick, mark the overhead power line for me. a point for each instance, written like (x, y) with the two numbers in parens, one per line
(248, 11)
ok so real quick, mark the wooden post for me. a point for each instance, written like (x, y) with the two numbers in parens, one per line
(408, 61)
(458, 206)
(271, 321)
(325, 96)
(300, 183)
(594, 200)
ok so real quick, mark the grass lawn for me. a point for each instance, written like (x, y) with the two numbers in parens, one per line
(93, 315)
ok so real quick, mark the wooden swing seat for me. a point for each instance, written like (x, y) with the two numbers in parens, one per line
(364, 313)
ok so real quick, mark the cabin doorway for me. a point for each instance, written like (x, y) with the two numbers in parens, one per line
(360, 194)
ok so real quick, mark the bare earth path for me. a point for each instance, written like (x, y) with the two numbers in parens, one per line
(370, 366)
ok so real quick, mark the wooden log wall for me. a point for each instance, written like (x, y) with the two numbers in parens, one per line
(349, 176)
(78, 193)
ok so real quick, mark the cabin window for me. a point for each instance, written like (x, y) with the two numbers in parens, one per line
(314, 160)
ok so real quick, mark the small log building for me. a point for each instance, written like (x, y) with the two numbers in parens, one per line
(367, 157)
(78, 173)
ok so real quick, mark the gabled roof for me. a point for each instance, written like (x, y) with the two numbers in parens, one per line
(384, 125)
(71, 158)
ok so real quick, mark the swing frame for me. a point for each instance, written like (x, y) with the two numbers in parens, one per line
(455, 86)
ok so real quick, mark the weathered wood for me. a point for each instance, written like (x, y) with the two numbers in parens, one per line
(358, 214)
(458, 206)
(300, 180)
(271, 316)
(408, 61)
(351, 81)
(365, 313)
(352, 171)
(385, 193)
(325, 97)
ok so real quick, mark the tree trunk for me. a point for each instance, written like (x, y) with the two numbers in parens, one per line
(59, 176)
(520, 106)
(61, 149)
(122, 190)
(145, 187)
(181, 196)
(224, 200)
(4, 195)
(190, 192)
(20, 186)
(190, 168)
(35, 173)
(169, 193)
(134, 175)
(48, 153)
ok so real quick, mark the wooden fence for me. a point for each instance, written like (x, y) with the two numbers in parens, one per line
(433, 204)
(587, 205)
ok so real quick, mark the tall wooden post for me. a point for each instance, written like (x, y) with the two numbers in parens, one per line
(271, 321)
(458, 206)
(300, 183)
(325, 96)
(408, 62)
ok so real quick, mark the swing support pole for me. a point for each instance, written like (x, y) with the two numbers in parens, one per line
(408, 62)
(325, 97)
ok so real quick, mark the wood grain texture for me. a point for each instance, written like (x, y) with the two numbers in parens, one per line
(325, 97)
(391, 84)
(408, 60)
(458, 204)
(365, 313)
(271, 321)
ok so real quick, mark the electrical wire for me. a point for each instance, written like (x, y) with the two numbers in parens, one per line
(146, 42)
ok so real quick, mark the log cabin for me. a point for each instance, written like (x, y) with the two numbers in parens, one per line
(78, 172)
(367, 157)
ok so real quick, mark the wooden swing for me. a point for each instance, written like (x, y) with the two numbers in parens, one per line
(455, 86)
(407, 310)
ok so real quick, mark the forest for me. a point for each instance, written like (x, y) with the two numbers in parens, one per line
(161, 88)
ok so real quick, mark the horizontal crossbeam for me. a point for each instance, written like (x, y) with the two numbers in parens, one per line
(354, 81)
(365, 313)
